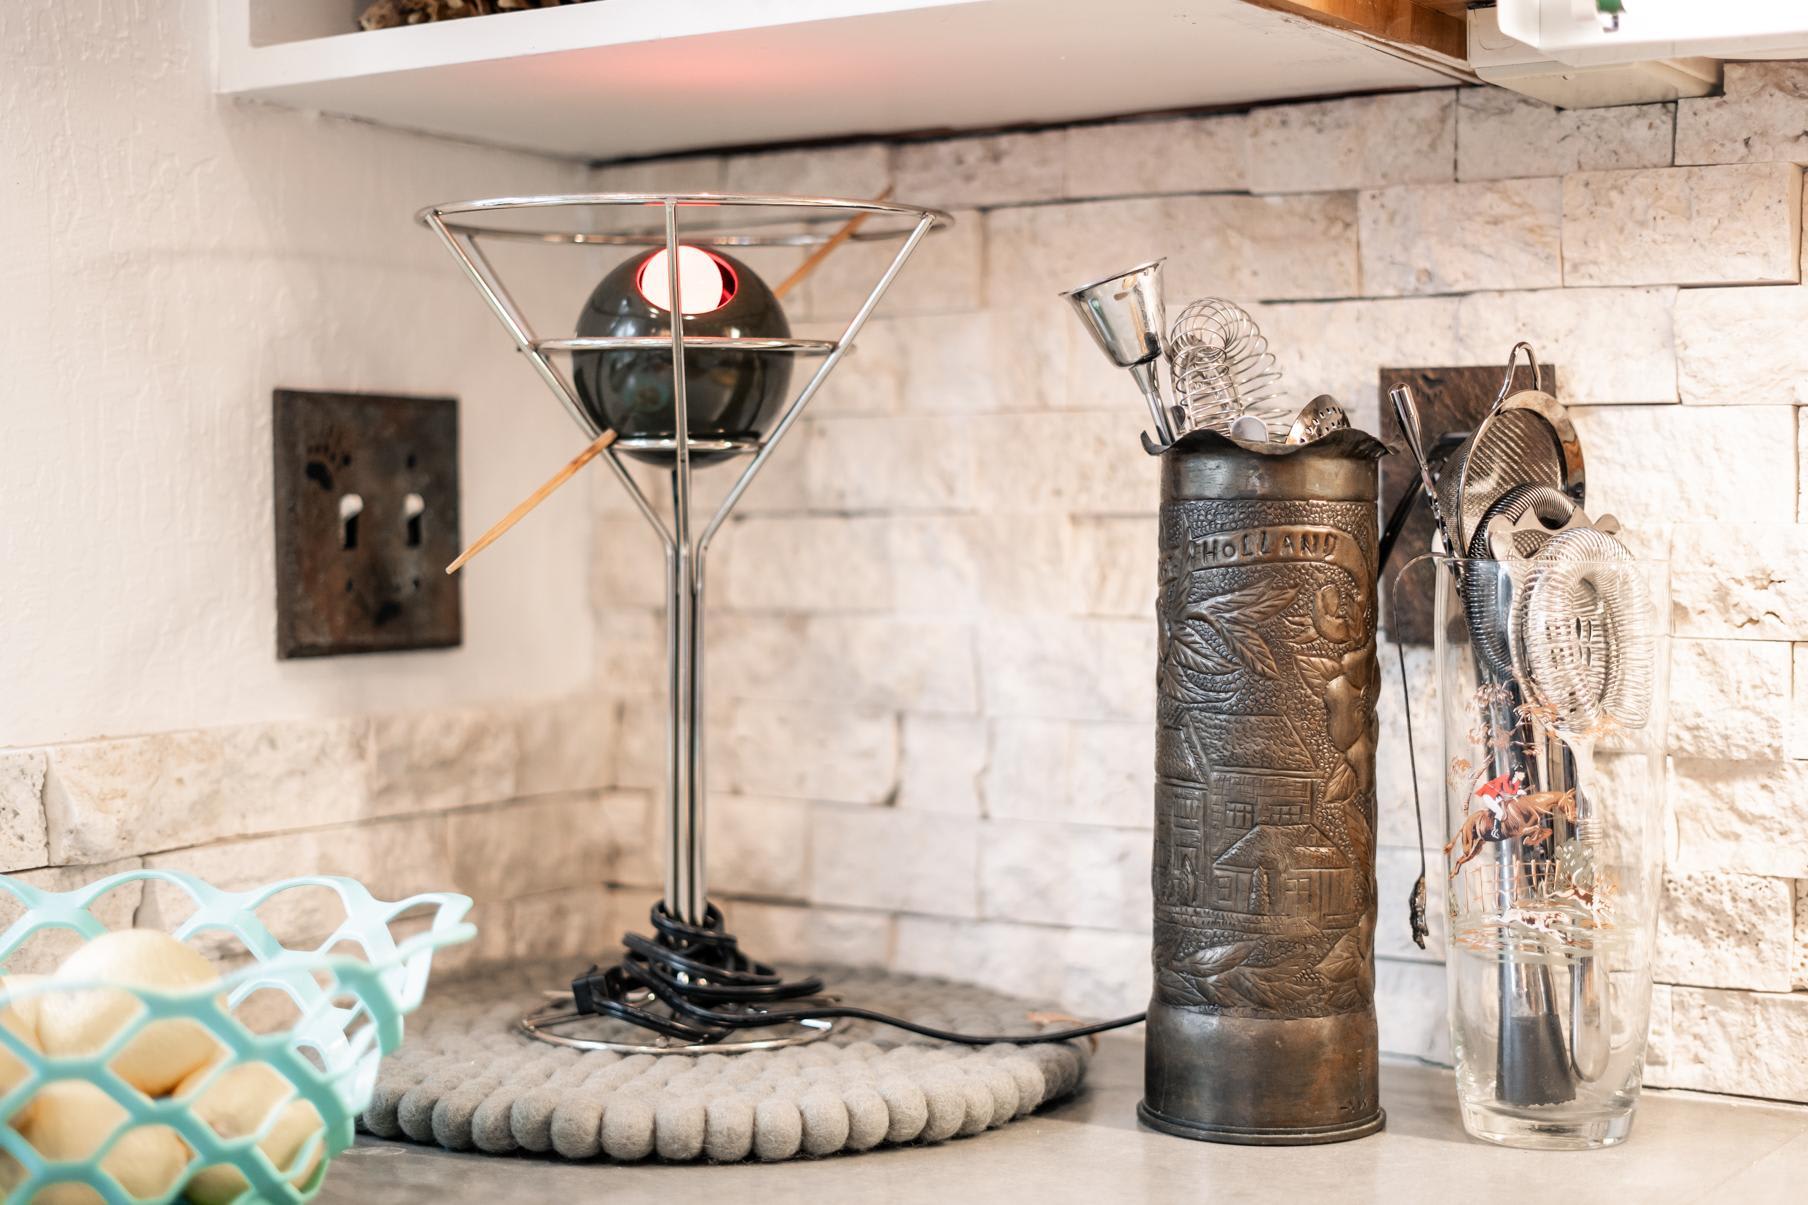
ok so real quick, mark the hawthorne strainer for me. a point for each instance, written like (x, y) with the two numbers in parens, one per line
(1515, 528)
(1583, 632)
(1529, 440)
(1526, 438)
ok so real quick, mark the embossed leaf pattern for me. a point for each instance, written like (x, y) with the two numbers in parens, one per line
(1175, 988)
(1183, 648)
(1341, 784)
(1319, 672)
(1193, 651)
(1356, 831)
(1245, 644)
(1235, 618)
(1210, 991)
(1215, 960)
(1348, 970)
(1253, 604)
(1299, 629)
(1278, 988)
(1341, 795)
(1221, 977)
(1345, 960)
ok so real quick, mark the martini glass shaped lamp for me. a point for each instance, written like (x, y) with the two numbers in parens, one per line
(683, 382)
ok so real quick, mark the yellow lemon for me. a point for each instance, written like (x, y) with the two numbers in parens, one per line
(81, 1022)
(12, 1173)
(71, 1118)
(21, 1019)
(237, 1103)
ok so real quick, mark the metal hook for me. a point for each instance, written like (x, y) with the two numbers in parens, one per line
(1506, 385)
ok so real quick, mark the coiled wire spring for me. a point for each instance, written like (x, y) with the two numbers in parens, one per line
(1221, 368)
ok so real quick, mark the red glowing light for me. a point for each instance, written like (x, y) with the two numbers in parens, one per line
(705, 281)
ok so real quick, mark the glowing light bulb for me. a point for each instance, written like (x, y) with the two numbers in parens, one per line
(705, 283)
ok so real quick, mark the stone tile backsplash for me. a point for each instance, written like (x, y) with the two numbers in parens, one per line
(930, 678)
(946, 584)
(1684, 226)
(506, 803)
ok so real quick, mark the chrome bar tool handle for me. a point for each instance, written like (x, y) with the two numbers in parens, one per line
(1406, 412)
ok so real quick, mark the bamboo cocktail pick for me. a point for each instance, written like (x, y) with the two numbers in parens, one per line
(534, 499)
(814, 260)
(810, 264)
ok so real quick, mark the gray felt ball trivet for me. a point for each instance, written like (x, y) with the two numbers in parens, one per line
(466, 1079)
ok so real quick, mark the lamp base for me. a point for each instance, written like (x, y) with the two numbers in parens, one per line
(688, 989)
(543, 1024)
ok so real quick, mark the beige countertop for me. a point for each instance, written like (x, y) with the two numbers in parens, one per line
(1683, 1149)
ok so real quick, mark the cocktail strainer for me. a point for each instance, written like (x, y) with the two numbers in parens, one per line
(1582, 633)
(1527, 440)
(1515, 528)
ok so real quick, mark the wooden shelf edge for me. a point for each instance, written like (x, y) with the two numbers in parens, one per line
(1422, 25)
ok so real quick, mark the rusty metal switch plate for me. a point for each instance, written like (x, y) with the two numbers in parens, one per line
(366, 522)
(1450, 399)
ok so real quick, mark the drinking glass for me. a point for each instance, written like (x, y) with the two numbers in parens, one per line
(1553, 685)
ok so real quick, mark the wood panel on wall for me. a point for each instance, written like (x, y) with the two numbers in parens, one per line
(1449, 400)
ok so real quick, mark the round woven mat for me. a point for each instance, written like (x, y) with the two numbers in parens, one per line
(466, 1079)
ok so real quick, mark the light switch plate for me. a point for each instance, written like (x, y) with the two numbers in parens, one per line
(366, 522)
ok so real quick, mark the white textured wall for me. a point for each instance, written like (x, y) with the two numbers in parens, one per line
(170, 257)
(931, 668)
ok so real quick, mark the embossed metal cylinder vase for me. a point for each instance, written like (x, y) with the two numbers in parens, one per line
(1262, 1025)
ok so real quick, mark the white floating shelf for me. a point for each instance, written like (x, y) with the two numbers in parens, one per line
(618, 78)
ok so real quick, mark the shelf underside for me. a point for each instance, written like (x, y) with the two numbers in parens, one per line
(620, 78)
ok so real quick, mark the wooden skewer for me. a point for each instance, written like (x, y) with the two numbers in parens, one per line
(602, 441)
(814, 261)
(534, 499)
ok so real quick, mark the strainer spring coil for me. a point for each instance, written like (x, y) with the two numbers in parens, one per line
(1221, 368)
(1583, 627)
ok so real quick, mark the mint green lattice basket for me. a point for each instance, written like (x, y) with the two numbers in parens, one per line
(350, 1015)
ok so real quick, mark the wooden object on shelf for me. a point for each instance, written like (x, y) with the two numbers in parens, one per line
(387, 14)
(1438, 26)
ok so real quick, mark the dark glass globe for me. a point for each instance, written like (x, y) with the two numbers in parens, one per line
(729, 394)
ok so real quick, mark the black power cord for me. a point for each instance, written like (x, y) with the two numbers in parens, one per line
(713, 990)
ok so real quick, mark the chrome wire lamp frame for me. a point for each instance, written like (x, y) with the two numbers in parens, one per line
(458, 226)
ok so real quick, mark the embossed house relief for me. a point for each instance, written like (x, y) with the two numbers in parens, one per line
(1266, 856)
(1264, 820)
(1178, 845)
(1286, 870)
(1217, 740)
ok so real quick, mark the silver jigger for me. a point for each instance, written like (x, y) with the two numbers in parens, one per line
(1127, 317)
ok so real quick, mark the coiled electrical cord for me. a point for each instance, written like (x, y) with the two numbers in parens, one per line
(714, 990)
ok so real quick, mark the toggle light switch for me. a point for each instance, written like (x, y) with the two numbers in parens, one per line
(366, 521)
